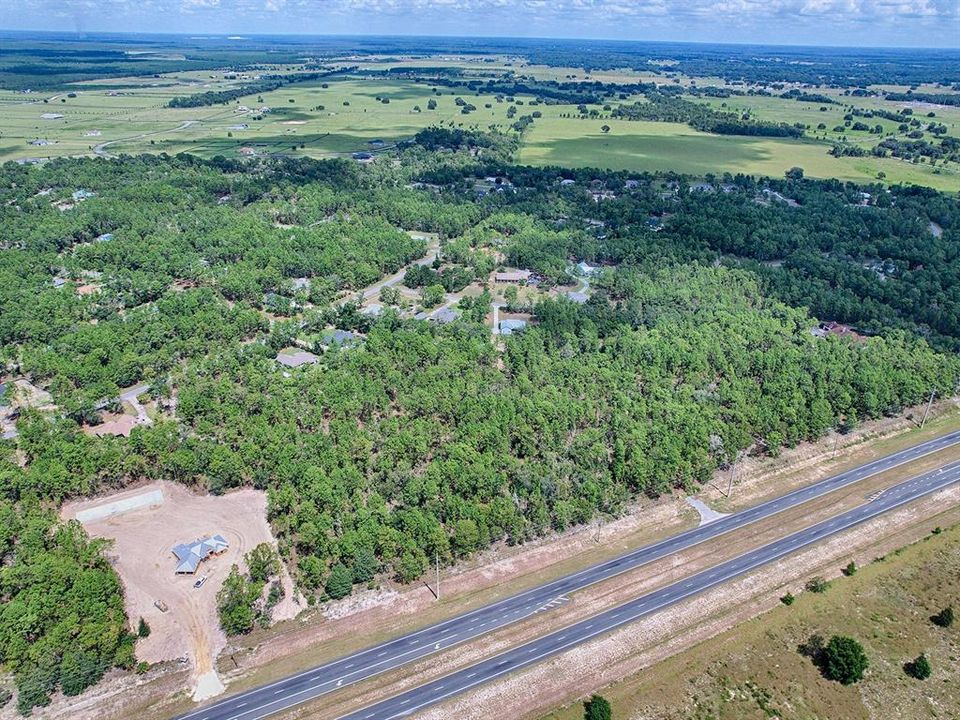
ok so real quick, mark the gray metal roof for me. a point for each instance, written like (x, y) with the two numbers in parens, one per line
(445, 315)
(296, 359)
(338, 337)
(190, 555)
(508, 327)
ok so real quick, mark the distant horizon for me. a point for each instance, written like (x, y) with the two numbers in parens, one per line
(239, 36)
(907, 24)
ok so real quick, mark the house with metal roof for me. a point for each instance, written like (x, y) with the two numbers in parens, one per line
(295, 358)
(190, 555)
(444, 315)
(329, 338)
(513, 276)
(509, 327)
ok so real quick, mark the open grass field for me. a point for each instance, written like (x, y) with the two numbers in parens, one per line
(755, 671)
(306, 119)
(672, 146)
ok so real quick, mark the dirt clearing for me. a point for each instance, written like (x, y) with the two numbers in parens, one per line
(156, 518)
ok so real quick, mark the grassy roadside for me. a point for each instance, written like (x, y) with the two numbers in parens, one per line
(755, 670)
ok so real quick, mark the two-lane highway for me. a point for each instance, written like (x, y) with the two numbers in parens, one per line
(585, 630)
(263, 701)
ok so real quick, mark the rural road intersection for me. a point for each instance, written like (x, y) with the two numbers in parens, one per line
(283, 694)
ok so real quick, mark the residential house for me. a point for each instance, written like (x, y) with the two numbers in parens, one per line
(509, 327)
(190, 555)
(512, 276)
(295, 358)
(342, 338)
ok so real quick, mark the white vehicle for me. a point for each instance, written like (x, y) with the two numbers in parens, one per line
(199, 583)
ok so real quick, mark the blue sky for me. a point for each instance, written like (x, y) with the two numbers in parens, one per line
(906, 23)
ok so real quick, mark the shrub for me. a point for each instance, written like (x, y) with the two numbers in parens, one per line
(944, 618)
(844, 660)
(365, 564)
(788, 599)
(918, 668)
(851, 569)
(340, 582)
(143, 630)
(817, 585)
(262, 563)
(235, 603)
(597, 708)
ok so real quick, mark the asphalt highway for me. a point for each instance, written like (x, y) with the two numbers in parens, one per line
(565, 638)
(272, 698)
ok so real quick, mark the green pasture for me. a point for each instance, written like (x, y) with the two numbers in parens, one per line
(791, 111)
(131, 116)
(319, 122)
(653, 146)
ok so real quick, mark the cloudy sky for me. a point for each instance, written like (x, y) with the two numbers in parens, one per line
(906, 23)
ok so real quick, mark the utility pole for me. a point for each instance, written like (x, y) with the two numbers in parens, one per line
(927, 411)
(733, 472)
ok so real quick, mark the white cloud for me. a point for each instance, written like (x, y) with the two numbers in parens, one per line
(908, 22)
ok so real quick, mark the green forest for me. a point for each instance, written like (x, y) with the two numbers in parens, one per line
(423, 439)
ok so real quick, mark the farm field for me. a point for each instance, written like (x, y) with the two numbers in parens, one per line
(131, 116)
(320, 122)
(661, 146)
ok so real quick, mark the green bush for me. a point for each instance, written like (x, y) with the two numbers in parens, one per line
(919, 668)
(235, 603)
(339, 582)
(844, 660)
(944, 618)
(597, 708)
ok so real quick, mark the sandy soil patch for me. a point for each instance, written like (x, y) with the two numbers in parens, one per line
(141, 553)
(113, 424)
(29, 395)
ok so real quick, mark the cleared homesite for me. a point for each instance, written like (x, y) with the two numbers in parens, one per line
(145, 525)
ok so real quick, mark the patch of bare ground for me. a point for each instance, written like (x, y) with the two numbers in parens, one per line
(141, 553)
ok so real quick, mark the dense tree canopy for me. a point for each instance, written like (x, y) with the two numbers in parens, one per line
(417, 440)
